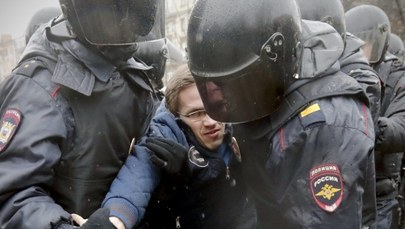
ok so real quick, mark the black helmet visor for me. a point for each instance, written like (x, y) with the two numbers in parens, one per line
(243, 96)
(115, 22)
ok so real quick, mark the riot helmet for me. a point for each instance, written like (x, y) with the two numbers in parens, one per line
(372, 25)
(243, 55)
(40, 17)
(396, 46)
(158, 30)
(155, 53)
(110, 22)
(328, 11)
(155, 49)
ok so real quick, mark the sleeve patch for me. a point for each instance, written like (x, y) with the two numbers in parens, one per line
(326, 186)
(312, 115)
(10, 122)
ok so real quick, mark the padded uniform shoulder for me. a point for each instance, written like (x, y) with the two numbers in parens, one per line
(28, 67)
(311, 115)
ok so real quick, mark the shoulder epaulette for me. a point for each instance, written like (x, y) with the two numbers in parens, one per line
(312, 114)
(28, 67)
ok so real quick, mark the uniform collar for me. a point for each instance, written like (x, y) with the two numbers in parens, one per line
(95, 62)
(99, 66)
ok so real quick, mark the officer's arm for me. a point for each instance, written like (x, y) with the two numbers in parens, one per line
(31, 129)
(370, 82)
(391, 127)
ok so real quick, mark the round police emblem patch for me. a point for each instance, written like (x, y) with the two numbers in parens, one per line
(195, 157)
(326, 186)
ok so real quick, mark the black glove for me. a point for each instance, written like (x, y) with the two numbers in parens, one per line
(381, 126)
(99, 220)
(167, 154)
(63, 223)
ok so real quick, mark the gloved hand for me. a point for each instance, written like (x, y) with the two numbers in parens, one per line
(167, 154)
(99, 220)
(382, 124)
(383, 139)
(63, 224)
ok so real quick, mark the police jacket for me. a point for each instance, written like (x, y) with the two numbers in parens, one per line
(67, 120)
(212, 196)
(354, 63)
(390, 139)
(310, 164)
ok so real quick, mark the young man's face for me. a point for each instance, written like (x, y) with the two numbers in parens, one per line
(208, 132)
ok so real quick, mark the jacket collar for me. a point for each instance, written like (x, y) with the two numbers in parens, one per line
(98, 65)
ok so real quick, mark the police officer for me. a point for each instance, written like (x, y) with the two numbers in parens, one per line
(69, 112)
(304, 128)
(353, 62)
(156, 53)
(396, 46)
(390, 129)
(155, 50)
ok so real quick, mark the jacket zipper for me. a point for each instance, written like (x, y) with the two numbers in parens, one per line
(228, 173)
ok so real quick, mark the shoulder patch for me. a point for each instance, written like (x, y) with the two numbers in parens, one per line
(195, 157)
(326, 186)
(10, 122)
(311, 115)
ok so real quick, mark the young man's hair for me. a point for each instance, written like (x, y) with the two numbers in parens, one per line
(180, 80)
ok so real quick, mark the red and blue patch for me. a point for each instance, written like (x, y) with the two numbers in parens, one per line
(10, 122)
(326, 186)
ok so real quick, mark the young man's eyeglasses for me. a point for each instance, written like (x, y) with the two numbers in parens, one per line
(197, 115)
